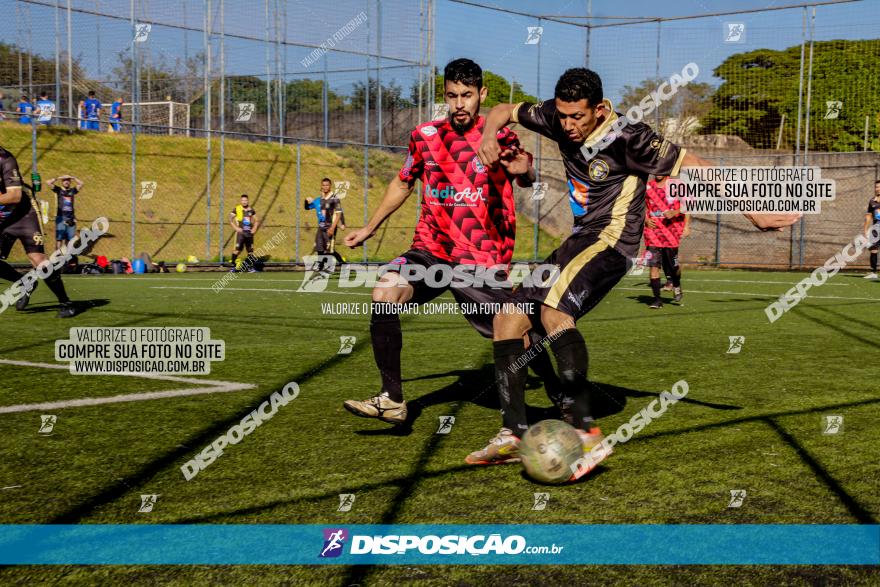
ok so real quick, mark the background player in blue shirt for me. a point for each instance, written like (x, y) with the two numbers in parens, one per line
(115, 115)
(25, 108)
(92, 107)
(45, 110)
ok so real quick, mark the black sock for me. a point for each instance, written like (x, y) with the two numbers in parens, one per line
(387, 342)
(676, 278)
(874, 262)
(571, 357)
(510, 378)
(234, 257)
(655, 287)
(8, 272)
(54, 283)
(542, 366)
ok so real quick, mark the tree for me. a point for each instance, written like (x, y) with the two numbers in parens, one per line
(680, 115)
(392, 96)
(760, 86)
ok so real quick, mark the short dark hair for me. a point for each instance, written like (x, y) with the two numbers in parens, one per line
(327, 179)
(245, 196)
(91, 92)
(463, 71)
(44, 94)
(580, 83)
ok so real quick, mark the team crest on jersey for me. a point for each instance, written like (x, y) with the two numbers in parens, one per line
(598, 169)
(478, 165)
(398, 261)
(429, 131)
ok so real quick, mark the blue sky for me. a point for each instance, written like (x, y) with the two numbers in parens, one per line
(621, 55)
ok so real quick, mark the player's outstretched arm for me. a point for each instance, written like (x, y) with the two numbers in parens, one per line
(396, 194)
(12, 195)
(763, 222)
(499, 117)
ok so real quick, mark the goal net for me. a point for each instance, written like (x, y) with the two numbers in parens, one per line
(159, 118)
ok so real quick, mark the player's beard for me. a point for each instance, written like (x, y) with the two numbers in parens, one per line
(462, 127)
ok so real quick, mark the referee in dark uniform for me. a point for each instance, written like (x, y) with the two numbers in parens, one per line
(596, 256)
(19, 221)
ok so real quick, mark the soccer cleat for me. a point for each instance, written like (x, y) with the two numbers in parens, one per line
(656, 304)
(502, 448)
(667, 286)
(379, 406)
(871, 275)
(23, 301)
(678, 295)
(67, 310)
(592, 458)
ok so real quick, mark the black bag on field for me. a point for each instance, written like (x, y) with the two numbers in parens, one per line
(90, 269)
(118, 267)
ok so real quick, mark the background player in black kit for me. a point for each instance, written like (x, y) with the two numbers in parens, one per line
(597, 255)
(19, 221)
(65, 213)
(872, 216)
(245, 222)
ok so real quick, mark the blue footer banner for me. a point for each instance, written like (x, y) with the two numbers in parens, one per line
(144, 544)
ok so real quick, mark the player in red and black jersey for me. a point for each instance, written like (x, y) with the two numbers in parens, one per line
(467, 218)
(19, 222)
(611, 161)
(665, 226)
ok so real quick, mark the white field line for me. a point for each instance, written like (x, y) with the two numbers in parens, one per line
(208, 386)
(692, 279)
(287, 290)
(757, 295)
(689, 291)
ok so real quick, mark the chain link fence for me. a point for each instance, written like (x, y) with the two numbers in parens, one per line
(266, 98)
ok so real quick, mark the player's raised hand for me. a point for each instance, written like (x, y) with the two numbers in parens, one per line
(489, 151)
(773, 221)
(356, 238)
(515, 160)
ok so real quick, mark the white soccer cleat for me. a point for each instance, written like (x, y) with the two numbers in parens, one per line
(379, 406)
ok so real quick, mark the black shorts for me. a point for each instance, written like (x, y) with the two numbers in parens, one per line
(244, 239)
(26, 229)
(661, 256)
(588, 269)
(322, 241)
(478, 304)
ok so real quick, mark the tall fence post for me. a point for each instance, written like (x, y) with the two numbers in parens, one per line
(134, 129)
(537, 205)
(298, 202)
(206, 100)
(718, 228)
(222, 105)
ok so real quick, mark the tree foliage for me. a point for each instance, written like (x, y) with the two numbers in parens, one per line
(760, 86)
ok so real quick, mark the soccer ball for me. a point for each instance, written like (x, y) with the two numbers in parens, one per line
(181, 267)
(549, 449)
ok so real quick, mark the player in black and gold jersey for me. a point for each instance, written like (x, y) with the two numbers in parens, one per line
(19, 221)
(607, 162)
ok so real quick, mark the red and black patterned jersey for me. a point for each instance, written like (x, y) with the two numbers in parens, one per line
(668, 231)
(611, 184)
(468, 213)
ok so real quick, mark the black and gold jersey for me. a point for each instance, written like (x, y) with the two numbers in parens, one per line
(607, 173)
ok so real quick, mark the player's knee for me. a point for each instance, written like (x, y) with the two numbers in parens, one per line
(507, 325)
(555, 321)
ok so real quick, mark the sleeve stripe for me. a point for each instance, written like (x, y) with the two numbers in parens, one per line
(514, 116)
(677, 167)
